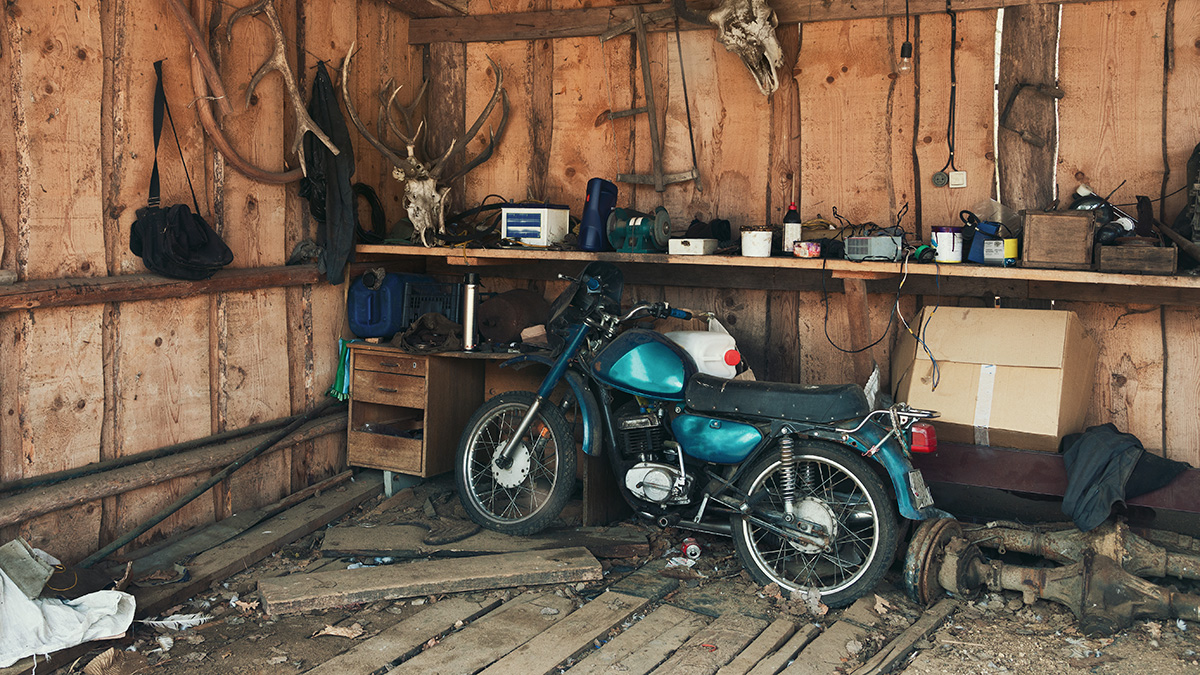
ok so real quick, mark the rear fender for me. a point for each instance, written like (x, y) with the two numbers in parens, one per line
(890, 455)
(588, 407)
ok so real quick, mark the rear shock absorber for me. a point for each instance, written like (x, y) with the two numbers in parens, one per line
(788, 476)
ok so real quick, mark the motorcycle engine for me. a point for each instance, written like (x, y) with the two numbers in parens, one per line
(654, 475)
(655, 482)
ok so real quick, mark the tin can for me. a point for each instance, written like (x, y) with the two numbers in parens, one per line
(690, 548)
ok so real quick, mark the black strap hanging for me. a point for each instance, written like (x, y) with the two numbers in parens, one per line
(161, 106)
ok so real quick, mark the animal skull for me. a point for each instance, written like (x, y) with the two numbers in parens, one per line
(424, 200)
(747, 28)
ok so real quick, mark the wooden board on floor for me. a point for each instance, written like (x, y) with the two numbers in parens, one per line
(256, 544)
(661, 632)
(405, 541)
(767, 642)
(778, 661)
(828, 652)
(404, 638)
(730, 634)
(570, 636)
(497, 634)
(303, 592)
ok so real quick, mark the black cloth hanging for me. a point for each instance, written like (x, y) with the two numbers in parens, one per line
(327, 186)
(1105, 466)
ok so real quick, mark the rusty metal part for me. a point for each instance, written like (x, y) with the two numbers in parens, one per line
(1103, 597)
(204, 111)
(925, 551)
(278, 61)
(200, 54)
(1113, 540)
(1172, 541)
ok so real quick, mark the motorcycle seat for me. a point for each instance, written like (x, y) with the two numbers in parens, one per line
(775, 400)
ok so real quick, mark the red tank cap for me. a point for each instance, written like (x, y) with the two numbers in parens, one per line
(732, 357)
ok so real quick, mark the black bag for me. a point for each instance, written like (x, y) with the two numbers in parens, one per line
(174, 242)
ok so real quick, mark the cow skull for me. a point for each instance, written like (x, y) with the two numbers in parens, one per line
(424, 200)
(747, 28)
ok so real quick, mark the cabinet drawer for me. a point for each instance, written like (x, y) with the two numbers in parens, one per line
(389, 453)
(400, 364)
(388, 389)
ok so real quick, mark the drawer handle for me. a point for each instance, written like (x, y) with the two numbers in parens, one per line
(388, 390)
(389, 364)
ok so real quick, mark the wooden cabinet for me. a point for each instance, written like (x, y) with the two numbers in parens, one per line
(407, 411)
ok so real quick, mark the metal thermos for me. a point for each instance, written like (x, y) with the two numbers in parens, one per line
(470, 284)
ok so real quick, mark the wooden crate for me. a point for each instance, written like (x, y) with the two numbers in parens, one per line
(1136, 259)
(1058, 239)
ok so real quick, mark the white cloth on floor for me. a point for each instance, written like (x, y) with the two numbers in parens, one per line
(46, 625)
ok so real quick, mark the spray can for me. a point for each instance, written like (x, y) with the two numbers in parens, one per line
(690, 548)
(470, 285)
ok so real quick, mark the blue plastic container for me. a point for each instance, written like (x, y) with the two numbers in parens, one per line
(375, 307)
(600, 200)
(984, 230)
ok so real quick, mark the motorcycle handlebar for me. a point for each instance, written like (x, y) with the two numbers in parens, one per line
(676, 313)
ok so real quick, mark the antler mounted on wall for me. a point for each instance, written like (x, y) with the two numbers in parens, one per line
(278, 61)
(425, 200)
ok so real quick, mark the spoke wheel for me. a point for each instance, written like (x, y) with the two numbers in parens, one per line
(527, 494)
(836, 489)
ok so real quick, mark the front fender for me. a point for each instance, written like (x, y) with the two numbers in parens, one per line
(588, 407)
(895, 462)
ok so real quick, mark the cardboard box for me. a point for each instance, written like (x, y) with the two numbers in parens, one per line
(691, 246)
(1018, 378)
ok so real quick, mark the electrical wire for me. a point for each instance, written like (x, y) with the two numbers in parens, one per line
(950, 119)
(825, 298)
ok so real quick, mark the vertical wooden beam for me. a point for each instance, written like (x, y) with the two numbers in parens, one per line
(447, 71)
(1028, 54)
(858, 314)
(783, 337)
(1181, 361)
(541, 110)
(1181, 96)
(783, 179)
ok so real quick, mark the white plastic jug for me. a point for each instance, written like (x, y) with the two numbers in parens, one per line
(714, 351)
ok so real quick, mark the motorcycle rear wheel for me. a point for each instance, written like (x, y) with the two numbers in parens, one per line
(838, 489)
(528, 495)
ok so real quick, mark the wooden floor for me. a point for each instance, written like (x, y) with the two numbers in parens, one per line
(375, 593)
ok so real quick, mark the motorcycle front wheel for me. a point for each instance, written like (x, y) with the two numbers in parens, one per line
(528, 494)
(836, 489)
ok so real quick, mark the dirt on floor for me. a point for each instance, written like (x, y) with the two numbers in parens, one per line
(995, 633)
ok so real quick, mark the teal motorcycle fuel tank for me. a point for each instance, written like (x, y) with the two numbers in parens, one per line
(713, 440)
(646, 363)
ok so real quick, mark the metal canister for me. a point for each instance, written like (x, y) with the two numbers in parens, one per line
(690, 548)
(470, 284)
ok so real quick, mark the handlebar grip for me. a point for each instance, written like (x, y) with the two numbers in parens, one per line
(677, 313)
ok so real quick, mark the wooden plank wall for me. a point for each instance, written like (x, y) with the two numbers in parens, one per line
(83, 384)
(849, 131)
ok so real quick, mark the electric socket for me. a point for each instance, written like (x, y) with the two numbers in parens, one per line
(958, 179)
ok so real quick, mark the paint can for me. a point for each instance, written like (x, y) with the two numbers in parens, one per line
(756, 243)
(949, 244)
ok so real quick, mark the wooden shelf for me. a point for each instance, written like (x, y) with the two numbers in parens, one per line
(766, 273)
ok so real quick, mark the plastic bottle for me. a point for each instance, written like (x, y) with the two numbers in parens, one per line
(793, 231)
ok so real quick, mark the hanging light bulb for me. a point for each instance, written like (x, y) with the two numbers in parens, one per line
(906, 62)
(905, 65)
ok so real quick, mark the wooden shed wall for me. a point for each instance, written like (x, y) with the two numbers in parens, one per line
(846, 130)
(81, 384)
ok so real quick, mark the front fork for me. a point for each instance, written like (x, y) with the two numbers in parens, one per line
(504, 458)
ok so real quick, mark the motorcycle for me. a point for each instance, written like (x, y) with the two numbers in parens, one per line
(806, 479)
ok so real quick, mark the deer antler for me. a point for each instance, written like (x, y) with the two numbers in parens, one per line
(214, 131)
(460, 143)
(385, 112)
(278, 61)
(404, 164)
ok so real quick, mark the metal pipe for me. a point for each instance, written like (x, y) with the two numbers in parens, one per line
(108, 465)
(201, 489)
